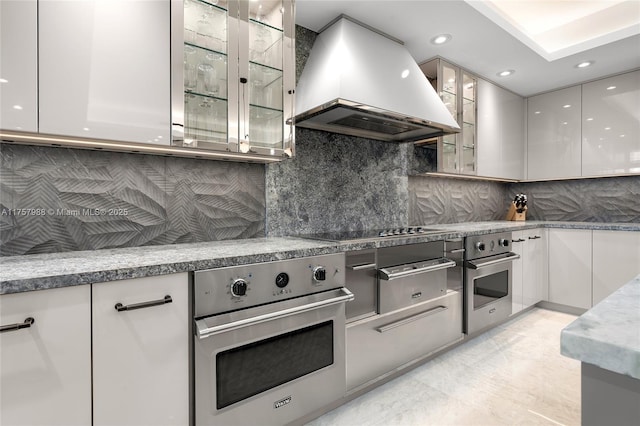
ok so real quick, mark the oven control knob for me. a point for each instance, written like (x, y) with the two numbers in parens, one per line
(239, 288)
(319, 273)
(503, 242)
(480, 246)
(282, 279)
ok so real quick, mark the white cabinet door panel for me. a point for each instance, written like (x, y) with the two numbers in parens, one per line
(616, 260)
(570, 267)
(553, 134)
(501, 132)
(535, 271)
(45, 370)
(104, 69)
(19, 65)
(140, 357)
(611, 125)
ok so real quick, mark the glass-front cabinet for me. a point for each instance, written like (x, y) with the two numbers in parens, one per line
(234, 75)
(457, 89)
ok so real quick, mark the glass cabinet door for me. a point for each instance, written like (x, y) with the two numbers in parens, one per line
(206, 71)
(237, 75)
(468, 124)
(448, 81)
(262, 127)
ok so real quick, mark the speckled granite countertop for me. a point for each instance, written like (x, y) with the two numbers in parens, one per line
(42, 271)
(608, 335)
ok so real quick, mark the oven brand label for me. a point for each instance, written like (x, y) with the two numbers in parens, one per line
(282, 402)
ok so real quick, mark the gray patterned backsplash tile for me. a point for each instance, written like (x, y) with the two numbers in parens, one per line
(84, 200)
(613, 199)
(337, 183)
(436, 200)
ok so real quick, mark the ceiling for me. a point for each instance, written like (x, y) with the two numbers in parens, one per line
(486, 41)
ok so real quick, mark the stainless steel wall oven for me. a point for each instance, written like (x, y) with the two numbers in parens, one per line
(269, 344)
(488, 280)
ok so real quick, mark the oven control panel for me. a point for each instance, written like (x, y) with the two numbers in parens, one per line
(478, 246)
(227, 289)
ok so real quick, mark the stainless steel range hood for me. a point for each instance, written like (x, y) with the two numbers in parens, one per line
(361, 82)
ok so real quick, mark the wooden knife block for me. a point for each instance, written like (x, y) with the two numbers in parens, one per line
(512, 214)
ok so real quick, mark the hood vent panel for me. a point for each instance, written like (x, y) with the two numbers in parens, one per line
(374, 124)
(360, 82)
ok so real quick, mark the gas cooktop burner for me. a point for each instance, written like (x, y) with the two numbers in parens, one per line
(370, 235)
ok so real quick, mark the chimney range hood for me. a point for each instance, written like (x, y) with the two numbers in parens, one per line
(361, 82)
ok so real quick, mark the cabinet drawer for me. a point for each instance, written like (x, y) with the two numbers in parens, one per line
(379, 345)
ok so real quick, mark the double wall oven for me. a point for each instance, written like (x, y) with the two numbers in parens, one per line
(488, 280)
(269, 344)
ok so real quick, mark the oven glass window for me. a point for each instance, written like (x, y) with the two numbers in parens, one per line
(490, 288)
(254, 368)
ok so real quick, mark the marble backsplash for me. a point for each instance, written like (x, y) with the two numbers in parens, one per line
(337, 183)
(61, 199)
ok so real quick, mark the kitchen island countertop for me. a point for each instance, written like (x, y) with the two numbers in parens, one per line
(43, 271)
(608, 335)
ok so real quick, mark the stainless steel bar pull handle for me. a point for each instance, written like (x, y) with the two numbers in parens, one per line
(203, 331)
(475, 265)
(28, 322)
(362, 267)
(388, 276)
(120, 307)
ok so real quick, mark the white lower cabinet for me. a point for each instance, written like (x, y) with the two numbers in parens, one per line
(570, 267)
(616, 260)
(45, 369)
(530, 272)
(140, 356)
(535, 270)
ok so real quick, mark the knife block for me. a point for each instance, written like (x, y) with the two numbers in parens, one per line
(513, 214)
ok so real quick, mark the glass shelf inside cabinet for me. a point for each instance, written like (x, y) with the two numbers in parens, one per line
(205, 72)
(205, 120)
(266, 86)
(205, 24)
(265, 127)
(449, 100)
(265, 45)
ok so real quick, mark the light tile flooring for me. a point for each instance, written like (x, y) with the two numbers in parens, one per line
(511, 375)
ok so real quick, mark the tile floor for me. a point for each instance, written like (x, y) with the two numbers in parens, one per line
(511, 375)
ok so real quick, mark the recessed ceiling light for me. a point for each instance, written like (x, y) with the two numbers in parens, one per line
(566, 106)
(505, 73)
(18, 107)
(441, 39)
(405, 74)
(3, 80)
(584, 64)
(537, 112)
(611, 87)
(590, 119)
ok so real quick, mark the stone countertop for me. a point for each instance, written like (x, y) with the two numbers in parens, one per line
(608, 335)
(42, 271)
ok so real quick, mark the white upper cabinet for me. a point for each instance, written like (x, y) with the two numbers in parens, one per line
(19, 65)
(553, 134)
(105, 69)
(611, 125)
(501, 132)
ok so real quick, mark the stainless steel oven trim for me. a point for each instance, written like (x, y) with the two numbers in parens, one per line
(508, 257)
(363, 267)
(211, 326)
(443, 263)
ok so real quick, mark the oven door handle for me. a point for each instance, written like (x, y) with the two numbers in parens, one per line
(203, 331)
(388, 276)
(477, 265)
